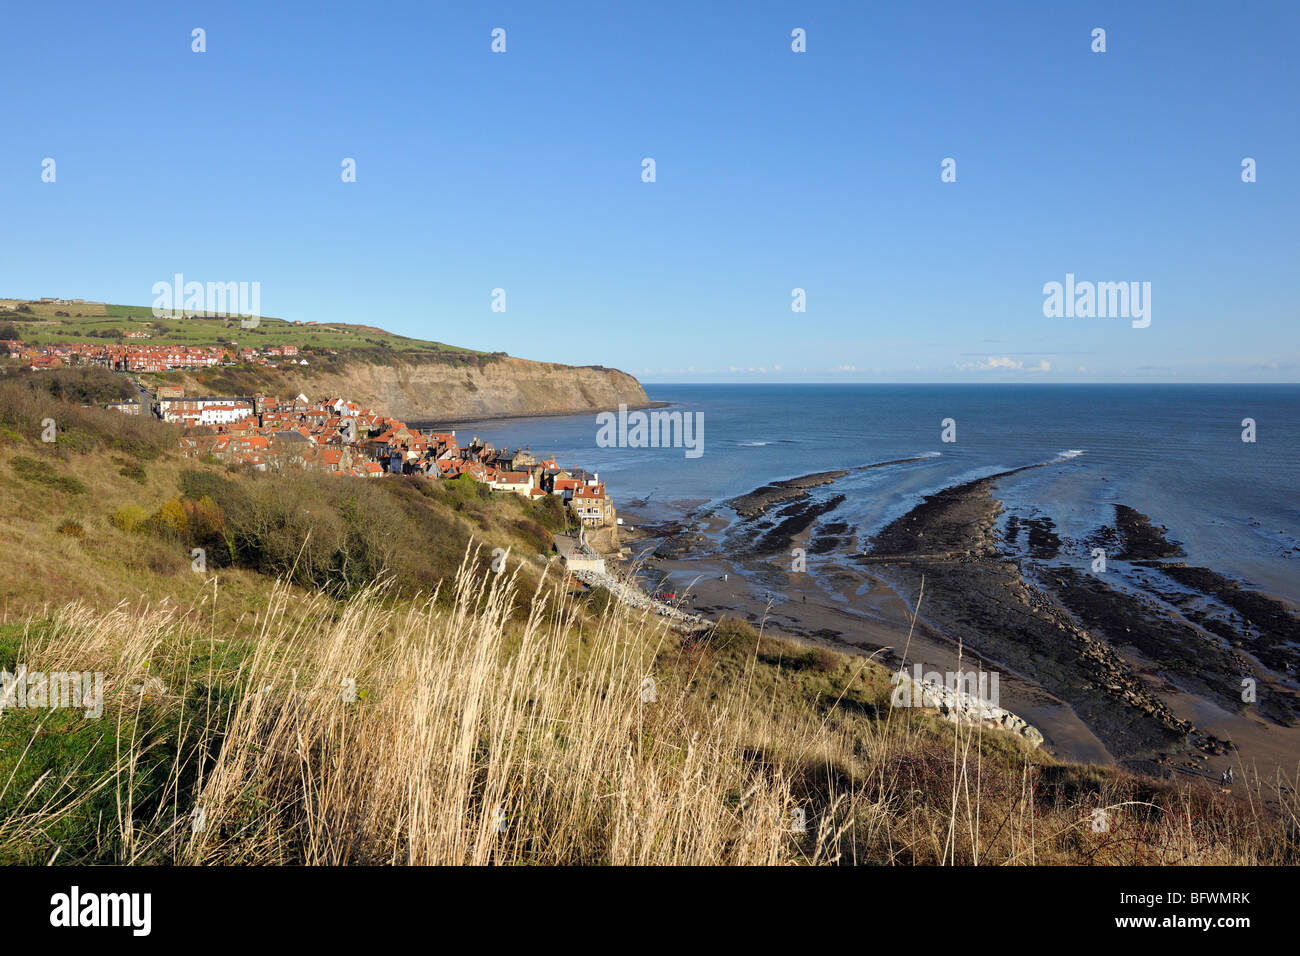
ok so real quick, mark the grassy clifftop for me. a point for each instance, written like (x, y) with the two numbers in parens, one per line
(49, 324)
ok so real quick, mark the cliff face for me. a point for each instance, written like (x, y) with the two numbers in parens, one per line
(445, 392)
(507, 386)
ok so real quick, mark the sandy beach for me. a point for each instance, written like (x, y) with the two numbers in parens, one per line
(1106, 675)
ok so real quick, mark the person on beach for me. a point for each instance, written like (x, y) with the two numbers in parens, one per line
(1223, 778)
(1231, 779)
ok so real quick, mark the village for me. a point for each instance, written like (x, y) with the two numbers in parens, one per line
(268, 433)
(122, 357)
(334, 435)
(340, 437)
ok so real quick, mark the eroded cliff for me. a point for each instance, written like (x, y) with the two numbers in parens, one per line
(443, 391)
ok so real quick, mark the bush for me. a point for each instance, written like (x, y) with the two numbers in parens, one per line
(40, 472)
(170, 520)
(822, 659)
(83, 386)
(600, 600)
(27, 399)
(129, 518)
(550, 513)
(197, 483)
(337, 534)
(72, 529)
(162, 560)
(316, 529)
(534, 534)
(734, 634)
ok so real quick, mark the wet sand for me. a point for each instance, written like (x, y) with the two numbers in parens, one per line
(1106, 675)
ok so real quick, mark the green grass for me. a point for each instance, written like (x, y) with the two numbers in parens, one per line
(60, 756)
(43, 327)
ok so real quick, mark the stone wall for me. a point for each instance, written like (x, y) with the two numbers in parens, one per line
(959, 707)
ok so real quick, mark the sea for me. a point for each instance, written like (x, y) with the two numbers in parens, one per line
(1173, 452)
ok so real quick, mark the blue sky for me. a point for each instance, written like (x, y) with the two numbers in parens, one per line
(775, 170)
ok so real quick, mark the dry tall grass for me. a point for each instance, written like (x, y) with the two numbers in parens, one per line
(473, 739)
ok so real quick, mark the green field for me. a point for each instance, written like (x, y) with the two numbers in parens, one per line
(45, 324)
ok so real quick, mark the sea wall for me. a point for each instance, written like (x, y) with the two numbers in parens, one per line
(959, 707)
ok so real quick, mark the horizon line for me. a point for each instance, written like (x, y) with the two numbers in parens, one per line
(976, 384)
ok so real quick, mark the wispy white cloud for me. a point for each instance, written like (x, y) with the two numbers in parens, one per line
(1007, 363)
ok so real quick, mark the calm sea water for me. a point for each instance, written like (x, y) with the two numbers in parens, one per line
(1174, 452)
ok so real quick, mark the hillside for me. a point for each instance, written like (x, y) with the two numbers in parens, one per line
(408, 378)
(112, 511)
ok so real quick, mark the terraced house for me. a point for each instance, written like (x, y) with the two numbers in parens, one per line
(593, 506)
(204, 411)
(342, 438)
